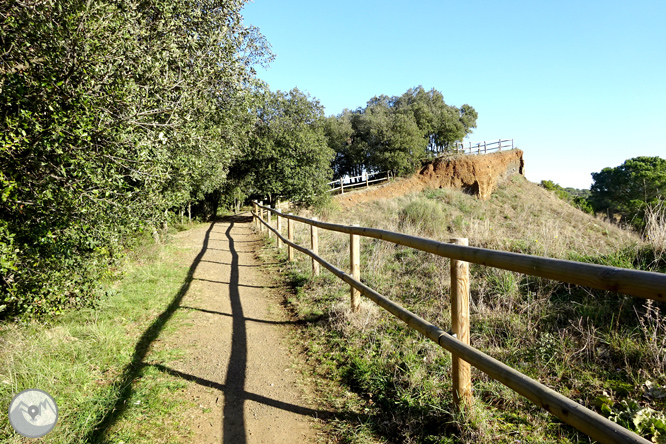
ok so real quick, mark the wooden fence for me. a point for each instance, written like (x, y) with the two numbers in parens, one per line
(632, 282)
(359, 181)
(459, 147)
(482, 147)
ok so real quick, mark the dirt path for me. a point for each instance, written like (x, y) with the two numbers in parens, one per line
(242, 378)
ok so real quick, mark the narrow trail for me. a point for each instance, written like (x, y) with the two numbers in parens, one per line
(243, 381)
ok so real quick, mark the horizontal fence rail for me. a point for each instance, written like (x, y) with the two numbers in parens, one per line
(644, 284)
(483, 147)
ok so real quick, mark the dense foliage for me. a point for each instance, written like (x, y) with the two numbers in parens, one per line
(628, 189)
(396, 133)
(111, 113)
(576, 197)
(287, 155)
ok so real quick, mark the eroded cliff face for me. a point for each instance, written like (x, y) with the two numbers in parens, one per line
(477, 174)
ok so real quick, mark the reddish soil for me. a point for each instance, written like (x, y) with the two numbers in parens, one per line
(479, 175)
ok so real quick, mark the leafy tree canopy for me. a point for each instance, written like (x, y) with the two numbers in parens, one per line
(396, 133)
(287, 155)
(110, 114)
(630, 187)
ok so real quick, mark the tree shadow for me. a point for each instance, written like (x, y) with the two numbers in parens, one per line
(134, 369)
(233, 424)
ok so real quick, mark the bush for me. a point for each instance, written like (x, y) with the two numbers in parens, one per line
(425, 216)
(573, 196)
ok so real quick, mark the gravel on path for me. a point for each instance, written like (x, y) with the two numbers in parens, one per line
(242, 377)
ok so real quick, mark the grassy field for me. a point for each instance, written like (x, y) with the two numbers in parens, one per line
(391, 385)
(92, 361)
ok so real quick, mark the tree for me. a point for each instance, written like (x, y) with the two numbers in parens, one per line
(110, 114)
(287, 154)
(401, 146)
(397, 133)
(349, 157)
(629, 188)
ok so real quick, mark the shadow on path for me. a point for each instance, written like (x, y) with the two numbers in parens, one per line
(263, 321)
(306, 411)
(231, 282)
(233, 422)
(134, 369)
(250, 266)
(233, 425)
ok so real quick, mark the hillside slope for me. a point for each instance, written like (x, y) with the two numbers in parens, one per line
(518, 216)
(589, 345)
(476, 175)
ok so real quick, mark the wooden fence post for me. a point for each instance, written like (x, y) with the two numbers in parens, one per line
(279, 227)
(290, 237)
(189, 212)
(342, 188)
(269, 218)
(367, 179)
(256, 217)
(461, 372)
(261, 216)
(355, 263)
(314, 240)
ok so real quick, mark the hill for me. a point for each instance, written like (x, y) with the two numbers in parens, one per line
(592, 346)
(518, 216)
(476, 175)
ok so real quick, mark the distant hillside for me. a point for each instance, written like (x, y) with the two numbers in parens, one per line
(478, 175)
(518, 215)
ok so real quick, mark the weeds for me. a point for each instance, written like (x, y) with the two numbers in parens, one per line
(578, 341)
(655, 227)
(79, 358)
(653, 327)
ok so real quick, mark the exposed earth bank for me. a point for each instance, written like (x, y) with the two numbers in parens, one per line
(476, 174)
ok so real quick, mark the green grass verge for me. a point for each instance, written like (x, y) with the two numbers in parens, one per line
(83, 359)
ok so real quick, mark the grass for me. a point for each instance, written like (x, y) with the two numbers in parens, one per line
(586, 344)
(81, 358)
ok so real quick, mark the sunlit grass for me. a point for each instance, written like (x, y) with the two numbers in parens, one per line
(582, 343)
(80, 356)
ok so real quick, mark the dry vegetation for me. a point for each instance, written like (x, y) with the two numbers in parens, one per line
(601, 349)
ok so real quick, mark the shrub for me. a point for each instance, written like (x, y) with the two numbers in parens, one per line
(424, 216)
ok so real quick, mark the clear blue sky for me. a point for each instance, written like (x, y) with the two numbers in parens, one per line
(579, 85)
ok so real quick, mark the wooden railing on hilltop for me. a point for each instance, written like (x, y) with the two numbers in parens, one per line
(364, 180)
(482, 147)
(359, 181)
(632, 282)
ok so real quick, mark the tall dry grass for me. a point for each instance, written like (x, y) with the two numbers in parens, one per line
(582, 343)
(655, 226)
